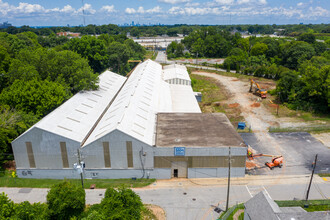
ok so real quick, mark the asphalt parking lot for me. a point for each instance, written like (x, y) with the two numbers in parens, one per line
(298, 149)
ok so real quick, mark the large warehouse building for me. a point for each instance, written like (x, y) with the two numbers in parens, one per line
(147, 125)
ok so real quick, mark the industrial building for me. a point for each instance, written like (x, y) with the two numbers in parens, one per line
(140, 126)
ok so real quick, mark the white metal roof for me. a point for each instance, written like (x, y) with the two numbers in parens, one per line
(135, 107)
(175, 71)
(183, 99)
(75, 118)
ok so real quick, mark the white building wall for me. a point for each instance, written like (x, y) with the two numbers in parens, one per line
(46, 150)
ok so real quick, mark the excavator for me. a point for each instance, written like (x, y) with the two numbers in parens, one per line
(257, 90)
(277, 161)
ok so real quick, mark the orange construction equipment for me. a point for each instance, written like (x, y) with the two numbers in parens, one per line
(257, 90)
(277, 161)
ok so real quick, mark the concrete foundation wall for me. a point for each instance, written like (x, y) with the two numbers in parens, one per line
(93, 173)
(46, 150)
(215, 172)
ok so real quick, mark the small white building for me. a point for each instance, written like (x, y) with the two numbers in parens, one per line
(176, 74)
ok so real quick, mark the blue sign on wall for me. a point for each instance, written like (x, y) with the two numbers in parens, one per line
(179, 151)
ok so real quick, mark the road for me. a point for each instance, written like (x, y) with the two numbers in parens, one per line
(196, 198)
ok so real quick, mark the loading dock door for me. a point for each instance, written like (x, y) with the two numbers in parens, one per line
(179, 169)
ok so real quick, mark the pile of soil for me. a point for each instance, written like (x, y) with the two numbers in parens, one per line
(255, 104)
(234, 80)
(234, 105)
(272, 105)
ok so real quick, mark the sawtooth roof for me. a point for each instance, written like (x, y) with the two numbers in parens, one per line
(134, 109)
(75, 117)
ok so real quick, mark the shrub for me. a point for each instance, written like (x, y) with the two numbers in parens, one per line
(6, 206)
(65, 200)
(25, 210)
(121, 204)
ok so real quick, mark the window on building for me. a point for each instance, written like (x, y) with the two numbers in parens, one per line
(129, 154)
(30, 154)
(64, 153)
(106, 153)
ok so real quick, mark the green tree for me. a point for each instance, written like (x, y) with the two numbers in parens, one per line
(119, 54)
(39, 97)
(65, 200)
(27, 211)
(6, 207)
(295, 53)
(259, 49)
(121, 203)
(307, 37)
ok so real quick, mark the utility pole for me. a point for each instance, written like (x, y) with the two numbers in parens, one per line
(310, 182)
(229, 165)
(82, 169)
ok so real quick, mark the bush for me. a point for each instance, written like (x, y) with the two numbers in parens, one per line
(25, 210)
(65, 200)
(120, 204)
(6, 206)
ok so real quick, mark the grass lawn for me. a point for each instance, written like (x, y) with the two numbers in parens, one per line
(214, 97)
(8, 181)
(324, 174)
(314, 205)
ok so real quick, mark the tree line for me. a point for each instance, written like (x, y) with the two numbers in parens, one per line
(39, 74)
(173, 30)
(67, 201)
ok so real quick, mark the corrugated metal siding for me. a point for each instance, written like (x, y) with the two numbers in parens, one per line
(106, 153)
(200, 161)
(30, 154)
(64, 154)
(129, 154)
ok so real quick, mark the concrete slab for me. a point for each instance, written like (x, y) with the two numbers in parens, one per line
(298, 149)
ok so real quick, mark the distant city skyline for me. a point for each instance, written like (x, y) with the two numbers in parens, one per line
(223, 12)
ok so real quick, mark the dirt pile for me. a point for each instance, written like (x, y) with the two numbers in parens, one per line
(233, 105)
(272, 105)
(255, 105)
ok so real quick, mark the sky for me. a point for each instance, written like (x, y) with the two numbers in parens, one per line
(71, 12)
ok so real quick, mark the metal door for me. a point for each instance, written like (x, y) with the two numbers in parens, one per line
(181, 167)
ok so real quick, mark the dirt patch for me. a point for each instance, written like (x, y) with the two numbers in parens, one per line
(158, 211)
(255, 105)
(234, 105)
(250, 165)
(234, 80)
(272, 105)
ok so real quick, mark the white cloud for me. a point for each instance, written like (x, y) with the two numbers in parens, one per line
(67, 9)
(300, 4)
(174, 1)
(130, 10)
(141, 10)
(108, 8)
(243, 1)
(156, 9)
(192, 4)
(263, 2)
(87, 9)
(225, 2)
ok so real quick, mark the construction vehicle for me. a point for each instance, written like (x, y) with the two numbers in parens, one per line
(134, 61)
(277, 161)
(257, 90)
